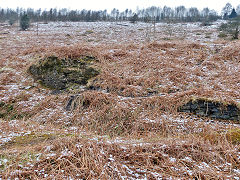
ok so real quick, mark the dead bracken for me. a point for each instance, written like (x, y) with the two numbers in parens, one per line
(124, 123)
(59, 74)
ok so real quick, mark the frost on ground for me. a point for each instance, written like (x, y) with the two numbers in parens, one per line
(125, 123)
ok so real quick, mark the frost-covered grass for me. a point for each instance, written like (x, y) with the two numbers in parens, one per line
(128, 126)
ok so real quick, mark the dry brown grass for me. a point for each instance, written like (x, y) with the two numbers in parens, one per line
(126, 125)
(106, 114)
(84, 159)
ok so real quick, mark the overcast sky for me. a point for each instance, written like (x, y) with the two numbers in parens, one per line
(119, 4)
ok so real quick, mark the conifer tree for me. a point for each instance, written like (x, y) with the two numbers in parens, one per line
(24, 22)
(233, 14)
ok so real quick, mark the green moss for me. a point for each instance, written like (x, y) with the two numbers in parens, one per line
(42, 84)
(59, 74)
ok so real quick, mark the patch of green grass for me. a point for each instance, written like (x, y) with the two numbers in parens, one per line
(87, 32)
(32, 138)
(166, 39)
(222, 35)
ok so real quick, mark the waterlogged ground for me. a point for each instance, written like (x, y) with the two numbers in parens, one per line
(126, 126)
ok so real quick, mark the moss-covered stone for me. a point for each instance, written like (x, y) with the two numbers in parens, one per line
(59, 74)
(212, 109)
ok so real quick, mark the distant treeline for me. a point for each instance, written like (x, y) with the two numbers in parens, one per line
(158, 14)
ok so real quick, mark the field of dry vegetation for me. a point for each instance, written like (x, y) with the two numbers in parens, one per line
(125, 123)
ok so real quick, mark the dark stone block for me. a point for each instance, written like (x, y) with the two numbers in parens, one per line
(186, 110)
(200, 113)
(214, 110)
(213, 116)
(194, 106)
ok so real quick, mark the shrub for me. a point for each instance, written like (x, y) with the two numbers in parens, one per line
(222, 35)
(232, 27)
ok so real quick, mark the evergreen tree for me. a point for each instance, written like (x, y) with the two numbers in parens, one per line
(134, 18)
(233, 14)
(24, 22)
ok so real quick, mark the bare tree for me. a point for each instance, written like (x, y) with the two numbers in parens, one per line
(238, 9)
(227, 10)
(205, 12)
(180, 12)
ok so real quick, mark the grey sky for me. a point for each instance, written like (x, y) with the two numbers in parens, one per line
(119, 4)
